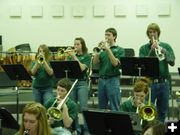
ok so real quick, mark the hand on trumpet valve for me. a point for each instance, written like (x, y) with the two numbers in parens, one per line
(154, 43)
(71, 51)
(104, 45)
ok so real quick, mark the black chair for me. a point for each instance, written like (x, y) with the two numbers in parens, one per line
(129, 52)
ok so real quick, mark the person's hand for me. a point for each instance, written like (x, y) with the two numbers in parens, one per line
(50, 120)
(154, 43)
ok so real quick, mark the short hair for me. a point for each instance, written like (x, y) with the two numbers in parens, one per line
(142, 84)
(65, 83)
(153, 26)
(113, 31)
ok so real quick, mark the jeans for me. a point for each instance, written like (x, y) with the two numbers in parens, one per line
(80, 93)
(160, 92)
(42, 95)
(109, 91)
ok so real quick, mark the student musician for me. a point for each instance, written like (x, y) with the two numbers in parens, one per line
(62, 110)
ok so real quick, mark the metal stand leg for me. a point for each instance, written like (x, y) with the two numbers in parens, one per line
(17, 103)
(0, 126)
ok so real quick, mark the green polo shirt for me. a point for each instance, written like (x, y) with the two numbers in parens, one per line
(106, 68)
(127, 106)
(163, 65)
(41, 78)
(72, 109)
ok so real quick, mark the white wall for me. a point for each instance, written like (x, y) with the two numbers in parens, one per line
(62, 30)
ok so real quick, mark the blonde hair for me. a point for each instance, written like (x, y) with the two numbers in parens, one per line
(46, 50)
(153, 26)
(40, 112)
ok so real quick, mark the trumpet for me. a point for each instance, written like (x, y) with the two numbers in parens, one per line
(55, 112)
(40, 59)
(158, 50)
(100, 47)
(61, 54)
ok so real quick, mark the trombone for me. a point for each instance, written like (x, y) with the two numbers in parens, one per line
(147, 112)
(55, 112)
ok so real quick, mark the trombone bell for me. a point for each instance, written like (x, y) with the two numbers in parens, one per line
(55, 113)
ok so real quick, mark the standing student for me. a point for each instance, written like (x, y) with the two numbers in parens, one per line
(80, 92)
(160, 87)
(109, 61)
(42, 72)
(80, 54)
(34, 120)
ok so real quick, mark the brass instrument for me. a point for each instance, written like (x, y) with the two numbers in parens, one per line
(61, 54)
(177, 94)
(158, 50)
(26, 132)
(100, 48)
(40, 59)
(148, 112)
(55, 112)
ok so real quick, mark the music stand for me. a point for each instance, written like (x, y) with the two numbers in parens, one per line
(7, 120)
(16, 72)
(68, 69)
(107, 122)
(140, 66)
(179, 70)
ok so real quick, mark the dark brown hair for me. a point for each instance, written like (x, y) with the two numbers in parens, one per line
(65, 83)
(83, 43)
(113, 31)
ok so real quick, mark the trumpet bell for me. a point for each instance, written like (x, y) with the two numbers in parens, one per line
(55, 113)
(61, 54)
(40, 60)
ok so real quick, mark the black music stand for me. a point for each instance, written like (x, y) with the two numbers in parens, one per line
(140, 66)
(16, 72)
(68, 69)
(7, 120)
(108, 122)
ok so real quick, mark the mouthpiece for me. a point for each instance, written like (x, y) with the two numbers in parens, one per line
(26, 132)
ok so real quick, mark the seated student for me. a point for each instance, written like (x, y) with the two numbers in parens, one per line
(135, 102)
(68, 110)
(140, 91)
(154, 127)
(34, 120)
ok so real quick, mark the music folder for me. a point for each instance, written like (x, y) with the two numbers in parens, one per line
(69, 69)
(140, 66)
(103, 122)
(8, 120)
